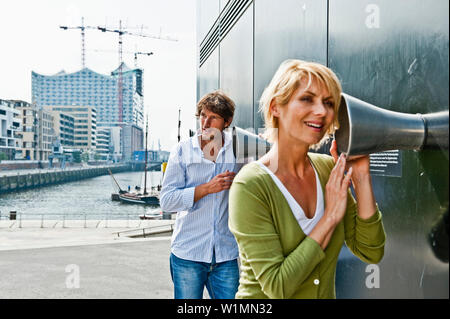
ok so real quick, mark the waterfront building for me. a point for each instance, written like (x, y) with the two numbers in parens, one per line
(27, 136)
(40, 128)
(45, 134)
(104, 145)
(89, 88)
(132, 137)
(152, 156)
(99, 92)
(9, 126)
(116, 143)
(133, 99)
(85, 125)
(64, 128)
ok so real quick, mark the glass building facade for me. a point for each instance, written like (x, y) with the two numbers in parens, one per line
(99, 91)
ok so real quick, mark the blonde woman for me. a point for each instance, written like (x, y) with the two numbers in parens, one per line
(292, 210)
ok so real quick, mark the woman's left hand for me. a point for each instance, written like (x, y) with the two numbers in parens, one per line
(361, 181)
(360, 164)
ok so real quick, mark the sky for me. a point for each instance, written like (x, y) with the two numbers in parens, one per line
(31, 40)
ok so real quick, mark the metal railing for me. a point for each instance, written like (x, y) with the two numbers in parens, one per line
(148, 231)
(65, 220)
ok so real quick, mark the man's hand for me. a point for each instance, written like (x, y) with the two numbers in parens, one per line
(219, 183)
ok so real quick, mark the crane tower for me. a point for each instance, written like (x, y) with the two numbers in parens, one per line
(82, 27)
(121, 33)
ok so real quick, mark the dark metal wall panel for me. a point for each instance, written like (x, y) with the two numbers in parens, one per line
(208, 75)
(394, 54)
(391, 53)
(236, 68)
(207, 13)
(288, 29)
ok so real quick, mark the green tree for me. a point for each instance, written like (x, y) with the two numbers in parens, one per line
(85, 157)
(76, 157)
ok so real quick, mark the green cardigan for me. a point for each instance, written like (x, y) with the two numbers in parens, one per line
(277, 259)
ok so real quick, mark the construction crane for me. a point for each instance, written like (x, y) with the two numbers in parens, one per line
(130, 52)
(121, 33)
(82, 27)
(140, 53)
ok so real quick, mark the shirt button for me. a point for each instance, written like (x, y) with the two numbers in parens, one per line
(316, 282)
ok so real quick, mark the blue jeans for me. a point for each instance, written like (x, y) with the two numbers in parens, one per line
(190, 277)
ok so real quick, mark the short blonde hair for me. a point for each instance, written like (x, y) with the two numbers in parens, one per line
(286, 80)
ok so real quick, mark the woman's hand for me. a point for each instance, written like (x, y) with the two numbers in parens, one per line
(360, 164)
(362, 182)
(336, 191)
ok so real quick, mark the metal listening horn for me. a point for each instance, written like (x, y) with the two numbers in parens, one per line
(365, 129)
(248, 146)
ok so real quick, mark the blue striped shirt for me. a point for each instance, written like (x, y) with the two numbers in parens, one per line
(201, 228)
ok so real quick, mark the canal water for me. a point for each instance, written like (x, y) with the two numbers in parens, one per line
(88, 198)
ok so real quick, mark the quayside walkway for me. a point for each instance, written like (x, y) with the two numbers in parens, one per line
(79, 262)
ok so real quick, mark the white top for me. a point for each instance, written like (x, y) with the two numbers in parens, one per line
(306, 224)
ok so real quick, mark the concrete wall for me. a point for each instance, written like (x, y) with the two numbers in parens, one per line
(10, 165)
(39, 179)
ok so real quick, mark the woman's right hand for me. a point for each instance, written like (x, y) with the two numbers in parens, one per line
(336, 191)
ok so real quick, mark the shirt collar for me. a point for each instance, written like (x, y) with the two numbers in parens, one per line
(226, 136)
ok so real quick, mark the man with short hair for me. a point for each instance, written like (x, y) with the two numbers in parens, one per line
(196, 183)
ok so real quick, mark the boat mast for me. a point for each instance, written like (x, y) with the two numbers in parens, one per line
(179, 124)
(145, 165)
(120, 189)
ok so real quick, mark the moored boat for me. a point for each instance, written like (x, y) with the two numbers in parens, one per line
(152, 214)
(151, 198)
(137, 197)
